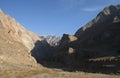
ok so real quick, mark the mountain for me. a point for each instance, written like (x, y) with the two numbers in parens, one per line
(95, 47)
(16, 43)
(16, 31)
(53, 40)
(102, 32)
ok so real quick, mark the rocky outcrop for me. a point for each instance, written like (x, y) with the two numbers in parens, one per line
(67, 39)
(16, 31)
(15, 43)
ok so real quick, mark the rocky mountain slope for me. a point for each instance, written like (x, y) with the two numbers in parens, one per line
(95, 47)
(101, 35)
(16, 43)
(103, 30)
(16, 31)
(26, 43)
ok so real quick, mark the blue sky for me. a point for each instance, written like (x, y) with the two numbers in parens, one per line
(55, 17)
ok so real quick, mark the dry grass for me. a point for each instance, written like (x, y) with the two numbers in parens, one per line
(50, 73)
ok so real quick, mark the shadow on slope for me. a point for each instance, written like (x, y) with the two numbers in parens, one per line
(51, 57)
(42, 51)
(39, 52)
(88, 62)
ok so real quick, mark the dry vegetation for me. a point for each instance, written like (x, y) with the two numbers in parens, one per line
(49, 73)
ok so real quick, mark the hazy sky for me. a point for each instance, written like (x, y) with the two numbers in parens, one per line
(54, 16)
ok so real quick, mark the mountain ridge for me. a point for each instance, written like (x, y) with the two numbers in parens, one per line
(102, 17)
(16, 44)
(17, 31)
(94, 46)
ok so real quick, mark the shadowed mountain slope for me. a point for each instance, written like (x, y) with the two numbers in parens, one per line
(103, 30)
(94, 48)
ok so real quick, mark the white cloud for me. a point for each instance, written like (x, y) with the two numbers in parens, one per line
(93, 9)
(69, 4)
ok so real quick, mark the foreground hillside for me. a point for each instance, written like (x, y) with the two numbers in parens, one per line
(14, 47)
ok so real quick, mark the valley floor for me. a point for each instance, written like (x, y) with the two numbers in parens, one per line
(50, 73)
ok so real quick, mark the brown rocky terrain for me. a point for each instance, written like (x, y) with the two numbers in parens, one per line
(17, 32)
(93, 52)
(16, 43)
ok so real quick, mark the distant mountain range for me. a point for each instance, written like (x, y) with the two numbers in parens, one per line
(52, 39)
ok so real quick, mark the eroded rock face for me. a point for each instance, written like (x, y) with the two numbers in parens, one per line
(15, 43)
(16, 31)
(67, 39)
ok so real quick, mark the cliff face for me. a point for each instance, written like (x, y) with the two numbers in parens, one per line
(16, 31)
(15, 43)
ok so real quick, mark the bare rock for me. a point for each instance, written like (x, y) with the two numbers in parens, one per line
(66, 39)
(16, 31)
(16, 43)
